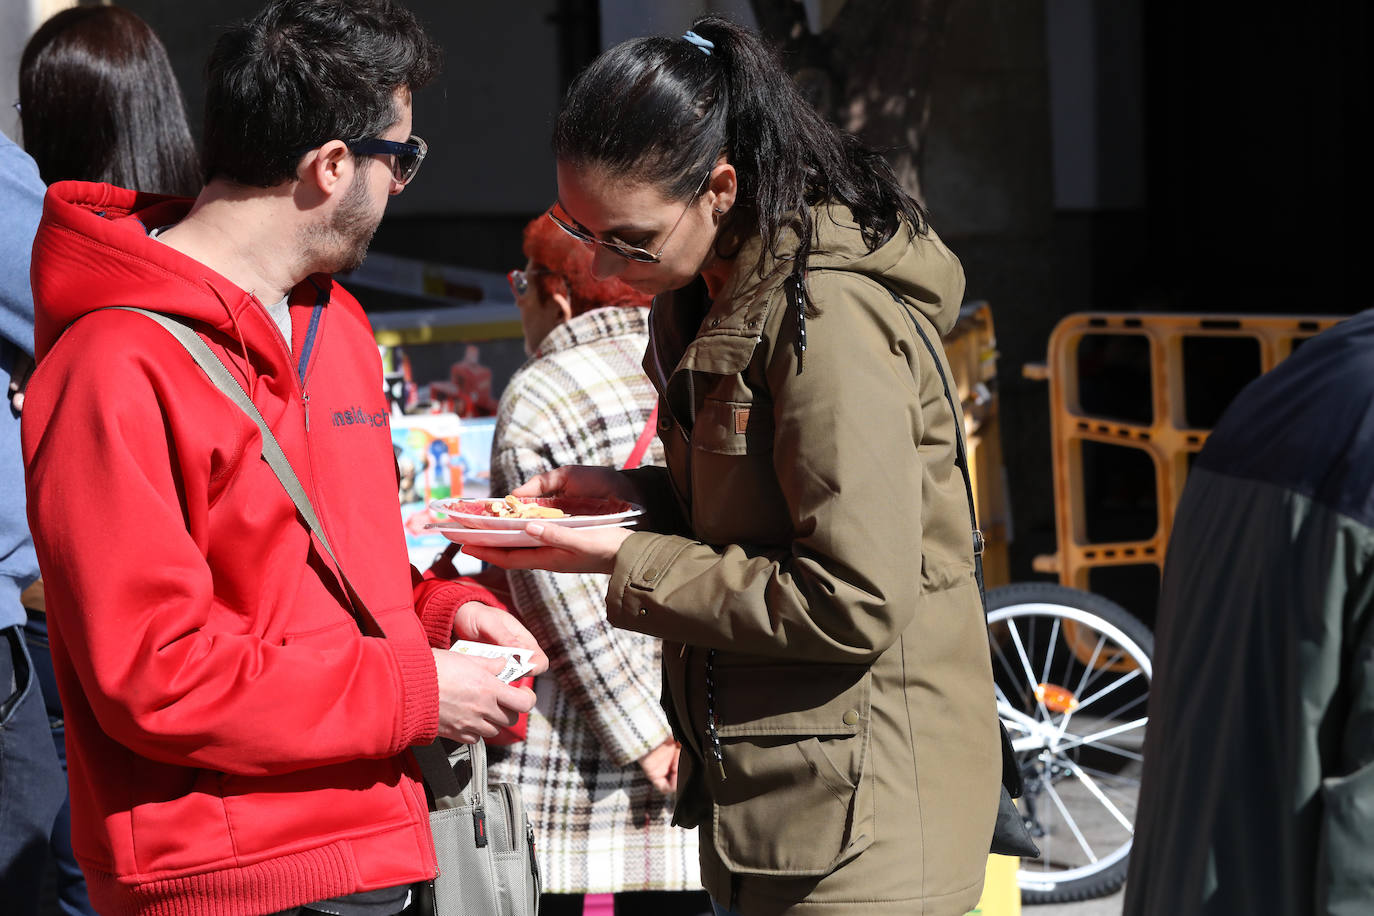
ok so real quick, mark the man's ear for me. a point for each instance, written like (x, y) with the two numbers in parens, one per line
(325, 167)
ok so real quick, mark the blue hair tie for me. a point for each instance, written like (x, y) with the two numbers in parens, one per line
(706, 45)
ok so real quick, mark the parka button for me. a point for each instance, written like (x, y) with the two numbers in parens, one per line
(643, 611)
(850, 717)
(715, 322)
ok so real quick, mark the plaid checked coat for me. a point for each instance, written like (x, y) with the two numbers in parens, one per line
(600, 826)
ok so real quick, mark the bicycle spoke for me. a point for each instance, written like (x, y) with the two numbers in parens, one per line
(1115, 656)
(1070, 822)
(1064, 724)
(1092, 665)
(1116, 713)
(1030, 675)
(1125, 679)
(1015, 717)
(1113, 749)
(1097, 736)
(1082, 683)
(1110, 779)
(1011, 672)
(1049, 653)
(1097, 794)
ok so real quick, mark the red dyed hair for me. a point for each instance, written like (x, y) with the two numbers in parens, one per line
(570, 261)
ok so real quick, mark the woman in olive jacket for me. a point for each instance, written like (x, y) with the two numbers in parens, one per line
(809, 558)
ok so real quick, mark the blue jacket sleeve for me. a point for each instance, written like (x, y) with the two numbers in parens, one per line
(21, 203)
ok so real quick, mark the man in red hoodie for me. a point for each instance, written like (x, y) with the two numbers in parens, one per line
(237, 746)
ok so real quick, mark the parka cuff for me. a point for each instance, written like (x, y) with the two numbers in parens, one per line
(641, 564)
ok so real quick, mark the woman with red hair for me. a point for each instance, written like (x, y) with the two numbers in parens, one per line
(599, 765)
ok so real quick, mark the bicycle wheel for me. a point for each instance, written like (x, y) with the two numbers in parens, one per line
(1072, 673)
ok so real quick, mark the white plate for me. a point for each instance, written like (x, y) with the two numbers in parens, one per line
(447, 508)
(502, 537)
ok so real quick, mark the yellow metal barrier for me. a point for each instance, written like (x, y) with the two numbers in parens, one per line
(972, 351)
(1167, 438)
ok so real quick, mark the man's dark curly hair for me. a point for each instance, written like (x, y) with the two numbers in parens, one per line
(303, 72)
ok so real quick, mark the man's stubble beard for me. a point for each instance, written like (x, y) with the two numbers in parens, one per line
(341, 246)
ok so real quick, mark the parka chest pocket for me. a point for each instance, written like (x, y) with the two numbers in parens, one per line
(733, 428)
(797, 797)
(735, 494)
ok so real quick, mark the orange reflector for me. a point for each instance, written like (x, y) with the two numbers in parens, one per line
(1056, 698)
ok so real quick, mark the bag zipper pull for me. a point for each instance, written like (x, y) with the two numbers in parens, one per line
(479, 826)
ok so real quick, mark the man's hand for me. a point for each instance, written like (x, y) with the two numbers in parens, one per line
(483, 623)
(473, 702)
(660, 765)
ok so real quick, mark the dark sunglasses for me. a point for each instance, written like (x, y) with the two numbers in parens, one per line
(405, 157)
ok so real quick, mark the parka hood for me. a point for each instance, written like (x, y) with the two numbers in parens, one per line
(919, 268)
(93, 251)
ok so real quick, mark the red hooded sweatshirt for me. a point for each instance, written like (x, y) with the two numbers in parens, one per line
(235, 743)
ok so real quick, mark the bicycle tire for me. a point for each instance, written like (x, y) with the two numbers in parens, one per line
(1087, 626)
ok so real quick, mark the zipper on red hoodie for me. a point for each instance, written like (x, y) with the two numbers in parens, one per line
(305, 364)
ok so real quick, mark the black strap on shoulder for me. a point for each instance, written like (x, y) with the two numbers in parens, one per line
(1011, 773)
(960, 451)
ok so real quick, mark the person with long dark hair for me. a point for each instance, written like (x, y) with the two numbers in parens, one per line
(809, 558)
(98, 102)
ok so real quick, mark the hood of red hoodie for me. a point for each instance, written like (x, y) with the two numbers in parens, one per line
(93, 251)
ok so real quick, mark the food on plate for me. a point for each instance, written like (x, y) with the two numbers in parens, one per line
(516, 512)
(512, 507)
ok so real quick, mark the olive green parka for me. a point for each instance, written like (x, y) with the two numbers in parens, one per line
(810, 569)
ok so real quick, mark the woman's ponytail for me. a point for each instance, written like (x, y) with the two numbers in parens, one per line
(662, 110)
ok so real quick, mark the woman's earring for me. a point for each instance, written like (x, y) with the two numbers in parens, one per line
(718, 209)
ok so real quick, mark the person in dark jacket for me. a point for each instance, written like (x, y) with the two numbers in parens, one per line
(1258, 788)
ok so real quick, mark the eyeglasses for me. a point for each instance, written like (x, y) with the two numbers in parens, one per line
(615, 246)
(405, 157)
(519, 280)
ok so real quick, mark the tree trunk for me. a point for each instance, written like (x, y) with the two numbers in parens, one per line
(871, 71)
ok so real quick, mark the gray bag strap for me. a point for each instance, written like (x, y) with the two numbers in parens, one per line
(434, 763)
(443, 782)
(272, 452)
